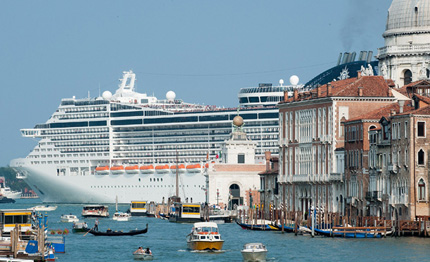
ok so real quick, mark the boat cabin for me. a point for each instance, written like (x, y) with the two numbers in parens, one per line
(10, 218)
(185, 212)
(95, 211)
(138, 208)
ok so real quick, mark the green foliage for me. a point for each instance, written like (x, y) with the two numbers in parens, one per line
(11, 180)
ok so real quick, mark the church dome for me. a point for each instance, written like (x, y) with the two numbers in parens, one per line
(408, 16)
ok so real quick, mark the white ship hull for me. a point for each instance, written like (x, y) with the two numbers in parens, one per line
(53, 188)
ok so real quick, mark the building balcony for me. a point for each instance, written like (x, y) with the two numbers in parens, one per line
(336, 177)
(373, 196)
(302, 178)
(393, 168)
(353, 201)
(402, 49)
(399, 200)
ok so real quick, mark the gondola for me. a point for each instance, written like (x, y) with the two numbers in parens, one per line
(119, 233)
(260, 227)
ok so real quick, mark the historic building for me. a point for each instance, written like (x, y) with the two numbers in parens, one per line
(311, 130)
(233, 179)
(269, 186)
(405, 57)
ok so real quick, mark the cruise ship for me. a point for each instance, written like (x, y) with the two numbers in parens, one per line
(129, 145)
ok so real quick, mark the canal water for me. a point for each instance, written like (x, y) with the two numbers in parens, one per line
(167, 242)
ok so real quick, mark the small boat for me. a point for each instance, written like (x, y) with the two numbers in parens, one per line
(117, 170)
(149, 169)
(142, 254)
(4, 199)
(351, 233)
(254, 252)
(132, 170)
(110, 232)
(180, 168)
(43, 208)
(69, 218)
(205, 236)
(80, 227)
(121, 216)
(102, 170)
(162, 169)
(197, 168)
(95, 211)
(5, 191)
(260, 227)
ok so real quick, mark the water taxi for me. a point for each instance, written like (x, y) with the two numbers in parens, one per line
(43, 208)
(254, 252)
(95, 211)
(185, 213)
(138, 208)
(121, 216)
(205, 236)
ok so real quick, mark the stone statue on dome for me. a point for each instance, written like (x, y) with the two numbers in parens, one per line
(369, 70)
(384, 69)
(423, 71)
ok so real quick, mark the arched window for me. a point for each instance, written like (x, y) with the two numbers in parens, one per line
(421, 190)
(421, 157)
(407, 77)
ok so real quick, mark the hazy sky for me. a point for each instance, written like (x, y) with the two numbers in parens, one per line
(205, 51)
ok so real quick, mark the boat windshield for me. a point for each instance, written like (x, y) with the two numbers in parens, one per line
(207, 229)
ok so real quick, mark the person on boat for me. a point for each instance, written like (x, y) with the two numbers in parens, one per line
(148, 251)
(139, 251)
(96, 225)
(85, 225)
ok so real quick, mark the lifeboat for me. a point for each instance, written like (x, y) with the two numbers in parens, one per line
(148, 169)
(181, 169)
(132, 170)
(207, 165)
(162, 169)
(117, 170)
(102, 170)
(197, 168)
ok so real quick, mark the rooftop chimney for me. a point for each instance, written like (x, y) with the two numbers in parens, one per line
(268, 155)
(360, 91)
(329, 89)
(296, 95)
(401, 104)
(358, 74)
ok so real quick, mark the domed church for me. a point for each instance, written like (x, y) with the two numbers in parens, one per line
(405, 58)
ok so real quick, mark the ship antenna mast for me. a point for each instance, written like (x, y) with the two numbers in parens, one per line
(177, 174)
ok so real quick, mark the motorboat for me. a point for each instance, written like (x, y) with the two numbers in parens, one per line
(121, 216)
(254, 252)
(95, 211)
(69, 218)
(80, 227)
(7, 192)
(43, 208)
(205, 236)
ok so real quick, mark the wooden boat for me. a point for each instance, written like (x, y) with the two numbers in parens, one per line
(80, 227)
(260, 227)
(254, 252)
(142, 256)
(69, 218)
(205, 236)
(352, 233)
(119, 233)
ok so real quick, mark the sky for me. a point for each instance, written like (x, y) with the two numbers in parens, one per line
(204, 51)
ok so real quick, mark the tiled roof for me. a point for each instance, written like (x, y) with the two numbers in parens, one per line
(384, 111)
(371, 86)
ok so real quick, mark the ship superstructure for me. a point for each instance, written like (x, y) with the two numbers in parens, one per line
(130, 145)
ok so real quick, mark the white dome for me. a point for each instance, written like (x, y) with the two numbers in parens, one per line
(170, 96)
(281, 81)
(107, 95)
(409, 15)
(294, 80)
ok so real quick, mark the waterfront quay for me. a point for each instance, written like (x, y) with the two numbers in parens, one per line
(168, 241)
